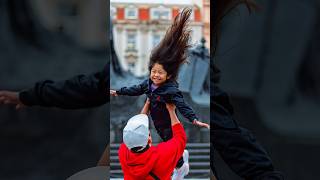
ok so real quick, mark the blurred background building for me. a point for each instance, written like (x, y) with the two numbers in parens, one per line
(206, 20)
(139, 25)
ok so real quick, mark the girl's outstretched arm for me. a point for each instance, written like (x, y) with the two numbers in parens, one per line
(187, 111)
(183, 107)
(201, 124)
(135, 90)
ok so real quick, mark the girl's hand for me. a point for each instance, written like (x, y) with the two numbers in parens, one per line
(201, 124)
(113, 93)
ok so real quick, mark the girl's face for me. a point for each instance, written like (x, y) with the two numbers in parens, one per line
(158, 75)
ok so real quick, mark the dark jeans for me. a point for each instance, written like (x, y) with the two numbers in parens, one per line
(166, 134)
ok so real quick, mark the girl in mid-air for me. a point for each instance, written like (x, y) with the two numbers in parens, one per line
(161, 87)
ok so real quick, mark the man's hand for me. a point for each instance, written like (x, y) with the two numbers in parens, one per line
(146, 107)
(201, 124)
(10, 97)
(113, 93)
(171, 107)
(173, 116)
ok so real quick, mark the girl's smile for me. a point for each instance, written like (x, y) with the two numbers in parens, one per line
(158, 75)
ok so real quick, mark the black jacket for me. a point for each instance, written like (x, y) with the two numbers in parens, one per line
(236, 145)
(81, 91)
(169, 93)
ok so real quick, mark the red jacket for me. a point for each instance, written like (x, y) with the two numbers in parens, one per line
(160, 160)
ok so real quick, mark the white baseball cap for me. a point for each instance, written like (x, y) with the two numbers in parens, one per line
(136, 132)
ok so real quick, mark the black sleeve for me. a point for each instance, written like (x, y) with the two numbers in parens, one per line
(183, 107)
(82, 91)
(135, 90)
(236, 145)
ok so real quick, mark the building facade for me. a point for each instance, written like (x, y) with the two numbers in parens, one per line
(206, 21)
(138, 26)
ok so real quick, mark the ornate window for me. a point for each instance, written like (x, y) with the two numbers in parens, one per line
(160, 12)
(131, 41)
(131, 12)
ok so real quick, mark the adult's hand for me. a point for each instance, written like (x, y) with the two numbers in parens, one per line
(146, 107)
(173, 116)
(11, 97)
(170, 107)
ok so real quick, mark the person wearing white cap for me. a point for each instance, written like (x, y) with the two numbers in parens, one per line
(136, 133)
(139, 159)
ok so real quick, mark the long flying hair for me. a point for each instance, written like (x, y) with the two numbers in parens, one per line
(171, 51)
